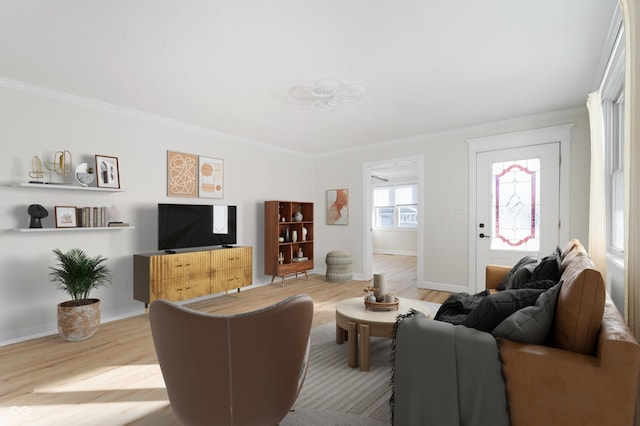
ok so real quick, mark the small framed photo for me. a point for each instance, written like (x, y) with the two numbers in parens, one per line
(107, 172)
(66, 217)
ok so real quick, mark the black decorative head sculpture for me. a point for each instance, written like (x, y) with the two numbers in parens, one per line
(37, 212)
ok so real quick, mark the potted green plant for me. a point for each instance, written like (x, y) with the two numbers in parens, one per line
(77, 274)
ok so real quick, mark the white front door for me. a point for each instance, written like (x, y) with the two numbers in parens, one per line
(517, 205)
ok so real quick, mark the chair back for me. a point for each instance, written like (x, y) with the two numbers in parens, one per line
(243, 369)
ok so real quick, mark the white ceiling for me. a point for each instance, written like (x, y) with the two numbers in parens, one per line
(227, 65)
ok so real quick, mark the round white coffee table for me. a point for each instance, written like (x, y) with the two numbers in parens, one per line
(353, 318)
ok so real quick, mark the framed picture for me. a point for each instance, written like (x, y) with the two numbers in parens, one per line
(182, 174)
(66, 217)
(211, 177)
(108, 174)
(338, 207)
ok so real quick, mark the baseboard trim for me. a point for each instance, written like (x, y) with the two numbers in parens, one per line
(451, 288)
(396, 252)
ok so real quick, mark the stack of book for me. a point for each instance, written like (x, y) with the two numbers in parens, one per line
(95, 217)
(118, 224)
(300, 259)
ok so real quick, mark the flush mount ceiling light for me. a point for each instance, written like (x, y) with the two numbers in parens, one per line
(326, 94)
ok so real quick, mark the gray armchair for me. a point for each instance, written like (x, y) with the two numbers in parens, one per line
(243, 369)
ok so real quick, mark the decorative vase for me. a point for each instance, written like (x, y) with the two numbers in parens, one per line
(294, 235)
(300, 254)
(304, 234)
(380, 285)
(286, 235)
(297, 217)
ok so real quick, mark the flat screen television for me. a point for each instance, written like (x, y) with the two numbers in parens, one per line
(183, 226)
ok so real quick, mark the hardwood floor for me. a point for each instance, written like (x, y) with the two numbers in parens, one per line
(113, 378)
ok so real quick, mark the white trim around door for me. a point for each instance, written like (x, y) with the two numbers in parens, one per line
(561, 134)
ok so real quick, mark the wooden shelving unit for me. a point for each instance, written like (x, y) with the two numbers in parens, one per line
(285, 238)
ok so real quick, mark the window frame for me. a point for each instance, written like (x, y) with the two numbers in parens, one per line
(613, 105)
(394, 187)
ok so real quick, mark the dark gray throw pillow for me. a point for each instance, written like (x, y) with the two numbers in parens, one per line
(532, 323)
(527, 260)
(549, 268)
(522, 276)
(542, 284)
(496, 307)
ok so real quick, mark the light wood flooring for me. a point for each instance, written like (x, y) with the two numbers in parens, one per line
(113, 378)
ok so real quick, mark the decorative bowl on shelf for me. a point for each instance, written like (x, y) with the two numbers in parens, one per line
(382, 306)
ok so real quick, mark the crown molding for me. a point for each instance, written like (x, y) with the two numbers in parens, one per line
(57, 95)
(477, 128)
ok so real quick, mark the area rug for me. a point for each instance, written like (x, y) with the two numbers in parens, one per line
(335, 394)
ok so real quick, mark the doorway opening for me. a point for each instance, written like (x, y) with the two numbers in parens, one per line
(402, 173)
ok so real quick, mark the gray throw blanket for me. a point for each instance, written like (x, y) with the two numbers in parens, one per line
(445, 375)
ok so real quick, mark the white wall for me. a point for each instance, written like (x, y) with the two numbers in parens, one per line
(445, 257)
(395, 241)
(36, 125)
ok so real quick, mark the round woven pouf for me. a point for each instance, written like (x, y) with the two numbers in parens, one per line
(339, 266)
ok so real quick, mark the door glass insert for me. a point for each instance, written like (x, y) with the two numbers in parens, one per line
(516, 205)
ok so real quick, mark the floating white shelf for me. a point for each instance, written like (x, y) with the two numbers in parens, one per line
(72, 187)
(93, 228)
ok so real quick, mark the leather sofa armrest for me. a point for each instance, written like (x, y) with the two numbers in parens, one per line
(551, 386)
(494, 274)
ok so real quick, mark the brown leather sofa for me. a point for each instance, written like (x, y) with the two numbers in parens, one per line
(589, 373)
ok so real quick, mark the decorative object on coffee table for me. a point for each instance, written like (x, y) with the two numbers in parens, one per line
(380, 285)
(382, 306)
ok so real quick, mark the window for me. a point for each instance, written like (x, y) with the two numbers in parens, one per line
(515, 196)
(614, 142)
(613, 109)
(396, 206)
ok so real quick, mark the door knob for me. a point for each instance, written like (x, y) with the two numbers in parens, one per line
(484, 236)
